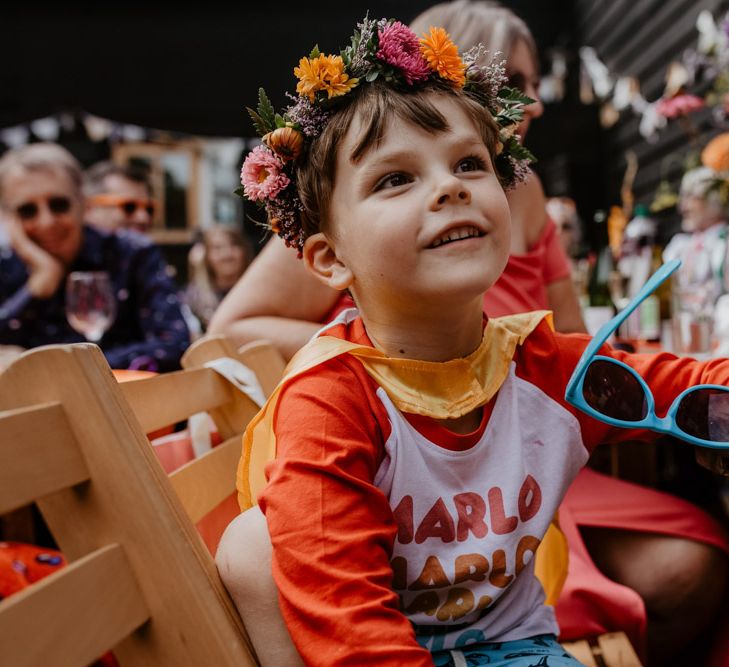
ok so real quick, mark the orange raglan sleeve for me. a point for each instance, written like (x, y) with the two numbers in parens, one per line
(332, 530)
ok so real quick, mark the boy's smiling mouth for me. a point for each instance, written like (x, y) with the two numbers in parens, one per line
(456, 234)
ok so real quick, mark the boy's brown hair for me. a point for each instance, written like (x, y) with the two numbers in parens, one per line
(375, 104)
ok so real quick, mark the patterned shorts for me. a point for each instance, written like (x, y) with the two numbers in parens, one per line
(538, 651)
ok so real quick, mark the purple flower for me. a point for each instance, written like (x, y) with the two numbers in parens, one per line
(262, 175)
(309, 118)
(400, 47)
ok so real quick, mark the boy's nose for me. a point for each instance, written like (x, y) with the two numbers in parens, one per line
(452, 190)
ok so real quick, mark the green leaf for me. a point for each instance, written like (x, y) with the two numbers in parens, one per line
(279, 120)
(509, 116)
(258, 123)
(265, 110)
(512, 96)
(240, 191)
(315, 53)
(372, 75)
(519, 151)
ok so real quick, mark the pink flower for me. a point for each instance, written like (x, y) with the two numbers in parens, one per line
(680, 105)
(400, 47)
(262, 176)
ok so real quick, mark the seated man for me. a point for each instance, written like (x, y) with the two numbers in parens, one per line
(42, 210)
(118, 197)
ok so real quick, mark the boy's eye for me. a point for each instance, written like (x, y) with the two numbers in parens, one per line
(472, 163)
(391, 181)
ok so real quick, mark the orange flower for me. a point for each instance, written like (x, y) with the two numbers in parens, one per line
(716, 153)
(323, 73)
(286, 142)
(442, 55)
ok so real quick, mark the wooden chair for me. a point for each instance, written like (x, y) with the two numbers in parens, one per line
(613, 649)
(140, 579)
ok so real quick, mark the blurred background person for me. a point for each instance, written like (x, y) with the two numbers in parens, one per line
(701, 243)
(119, 197)
(563, 211)
(700, 304)
(42, 210)
(215, 263)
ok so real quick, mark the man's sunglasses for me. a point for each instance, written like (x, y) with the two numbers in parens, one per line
(127, 205)
(56, 205)
(611, 391)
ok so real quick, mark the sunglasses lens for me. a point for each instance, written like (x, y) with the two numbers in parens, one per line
(613, 391)
(704, 414)
(129, 207)
(27, 211)
(59, 205)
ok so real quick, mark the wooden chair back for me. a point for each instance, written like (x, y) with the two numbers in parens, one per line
(140, 579)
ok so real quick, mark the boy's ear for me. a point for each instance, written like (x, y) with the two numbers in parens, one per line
(321, 259)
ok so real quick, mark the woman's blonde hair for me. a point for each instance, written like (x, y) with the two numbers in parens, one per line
(470, 22)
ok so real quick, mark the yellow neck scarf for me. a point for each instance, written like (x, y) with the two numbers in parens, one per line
(441, 390)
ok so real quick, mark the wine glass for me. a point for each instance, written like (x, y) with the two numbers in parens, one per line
(90, 303)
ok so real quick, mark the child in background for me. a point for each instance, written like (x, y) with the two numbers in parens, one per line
(421, 449)
(215, 263)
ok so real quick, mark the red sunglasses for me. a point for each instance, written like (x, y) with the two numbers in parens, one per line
(127, 205)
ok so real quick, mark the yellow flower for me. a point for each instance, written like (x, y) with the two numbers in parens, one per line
(442, 55)
(323, 73)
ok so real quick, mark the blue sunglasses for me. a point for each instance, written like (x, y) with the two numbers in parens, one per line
(611, 391)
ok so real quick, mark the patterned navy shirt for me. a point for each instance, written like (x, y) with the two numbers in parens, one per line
(149, 331)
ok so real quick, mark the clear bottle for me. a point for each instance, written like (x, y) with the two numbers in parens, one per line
(598, 287)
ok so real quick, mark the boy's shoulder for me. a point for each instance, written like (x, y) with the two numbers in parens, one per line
(336, 375)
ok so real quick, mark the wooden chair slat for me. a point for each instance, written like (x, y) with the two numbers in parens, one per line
(210, 346)
(202, 484)
(30, 467)
(195, 390)
(84, 609)
(582, 651)
(617, 651)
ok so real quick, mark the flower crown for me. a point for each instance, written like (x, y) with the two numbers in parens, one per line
(384, 50)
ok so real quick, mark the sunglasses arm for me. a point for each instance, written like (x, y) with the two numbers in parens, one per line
(603, 333)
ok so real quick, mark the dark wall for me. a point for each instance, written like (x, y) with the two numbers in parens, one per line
(185, 69)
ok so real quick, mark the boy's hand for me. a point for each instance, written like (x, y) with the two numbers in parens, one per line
(716, 460)
(45, 271)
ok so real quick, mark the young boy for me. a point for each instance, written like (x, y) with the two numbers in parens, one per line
(421, 450)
